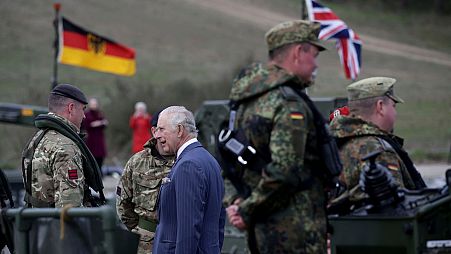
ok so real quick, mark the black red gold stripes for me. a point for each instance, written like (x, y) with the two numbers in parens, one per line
(80, 47)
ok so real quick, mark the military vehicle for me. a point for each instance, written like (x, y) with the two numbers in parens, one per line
(393, 220)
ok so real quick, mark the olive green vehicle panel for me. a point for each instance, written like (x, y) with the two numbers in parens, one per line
(428, 230)
(20, 114)
(114, 240)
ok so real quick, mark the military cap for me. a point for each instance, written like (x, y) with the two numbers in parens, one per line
(373, 87)
(294, 31)
(70, 91)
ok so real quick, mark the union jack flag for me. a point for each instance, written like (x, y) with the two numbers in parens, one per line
(348, 43)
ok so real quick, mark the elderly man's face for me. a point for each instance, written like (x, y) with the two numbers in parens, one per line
(167, 136)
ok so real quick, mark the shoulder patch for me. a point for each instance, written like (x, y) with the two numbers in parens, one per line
(72, 173)
(296, 116)
(393, 167)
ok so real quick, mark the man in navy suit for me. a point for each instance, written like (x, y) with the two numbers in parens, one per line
(191, 215)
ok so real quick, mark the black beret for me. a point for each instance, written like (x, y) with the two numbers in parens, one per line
(70, 91)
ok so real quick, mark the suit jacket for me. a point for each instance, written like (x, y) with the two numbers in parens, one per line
(191, 215)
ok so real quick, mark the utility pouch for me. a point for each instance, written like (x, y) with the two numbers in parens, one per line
(235, 144)
(331, 158)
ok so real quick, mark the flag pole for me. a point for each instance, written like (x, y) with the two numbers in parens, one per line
(304, 14)
(54, 79)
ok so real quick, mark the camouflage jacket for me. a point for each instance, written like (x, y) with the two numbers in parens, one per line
(57, 169)
(357, 138)
(139, 185)
(283, 132)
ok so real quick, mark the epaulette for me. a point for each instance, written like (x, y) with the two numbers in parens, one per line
(288, 93)
(385, 145)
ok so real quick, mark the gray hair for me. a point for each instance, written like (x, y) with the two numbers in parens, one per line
(180, 115)
(365, 107)
(140, 104)
(56, 103)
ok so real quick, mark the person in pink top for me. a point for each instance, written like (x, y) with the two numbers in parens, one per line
(140, 124)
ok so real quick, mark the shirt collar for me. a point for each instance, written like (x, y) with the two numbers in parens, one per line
(187, 143)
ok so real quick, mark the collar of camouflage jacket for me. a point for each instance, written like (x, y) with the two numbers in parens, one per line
(344, 126)
(259, 78)
(151, 147)
(67, 122)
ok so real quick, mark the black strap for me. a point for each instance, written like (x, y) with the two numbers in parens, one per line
(416, 176)
(5, 191)
(327, 146)
(28, 153)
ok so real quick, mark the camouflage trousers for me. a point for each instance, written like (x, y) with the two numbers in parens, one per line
(295, 229)
(145, 240)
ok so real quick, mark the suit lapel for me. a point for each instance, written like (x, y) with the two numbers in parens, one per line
(185, 151)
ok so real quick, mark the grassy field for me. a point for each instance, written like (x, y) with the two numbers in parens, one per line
(189, 51)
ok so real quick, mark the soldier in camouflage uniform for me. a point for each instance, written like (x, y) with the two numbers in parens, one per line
(286, 207)
(368, 128)
(138, 190)
(56, 166)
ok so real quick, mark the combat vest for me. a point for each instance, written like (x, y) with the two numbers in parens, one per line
(90, 168)
(236, 150)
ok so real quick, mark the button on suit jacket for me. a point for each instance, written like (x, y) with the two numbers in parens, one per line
(191, 215)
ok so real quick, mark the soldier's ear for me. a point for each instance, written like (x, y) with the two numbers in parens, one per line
(70, 107)
(379, 107)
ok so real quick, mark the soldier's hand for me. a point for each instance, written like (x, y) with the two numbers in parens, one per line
(238, 222)
(235, 218)
(231, 210)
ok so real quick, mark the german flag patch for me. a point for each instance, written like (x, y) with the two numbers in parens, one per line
(73, 175)
(296, 116)
(392, 167)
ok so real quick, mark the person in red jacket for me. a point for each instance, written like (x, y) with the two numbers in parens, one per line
(140, 124)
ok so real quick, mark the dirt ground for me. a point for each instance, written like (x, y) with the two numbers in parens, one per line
(434, 174)
(266, 18)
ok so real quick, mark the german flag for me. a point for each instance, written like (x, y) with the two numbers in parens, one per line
(83, 48)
